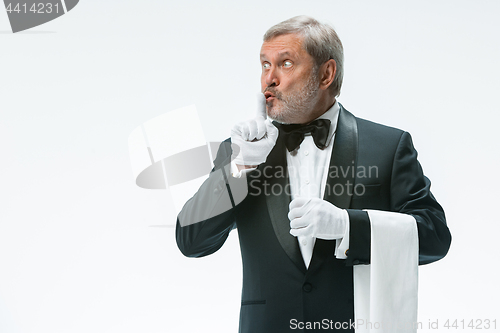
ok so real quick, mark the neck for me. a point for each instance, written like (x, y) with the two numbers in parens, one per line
(323, 105)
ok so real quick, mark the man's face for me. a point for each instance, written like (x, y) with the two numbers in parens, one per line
(289, 79)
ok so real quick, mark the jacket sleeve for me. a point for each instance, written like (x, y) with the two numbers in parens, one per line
(410, 194)
(206, 219)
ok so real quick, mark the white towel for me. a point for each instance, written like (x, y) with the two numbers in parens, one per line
(386, 291)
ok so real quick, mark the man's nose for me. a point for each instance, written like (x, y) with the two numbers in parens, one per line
(272, 78)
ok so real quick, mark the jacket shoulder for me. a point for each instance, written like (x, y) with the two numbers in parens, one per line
(369, 127)
(378, 139)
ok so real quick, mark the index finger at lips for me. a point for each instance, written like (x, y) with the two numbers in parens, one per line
(261, 106)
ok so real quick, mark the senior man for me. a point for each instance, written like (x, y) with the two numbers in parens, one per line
(311, 174)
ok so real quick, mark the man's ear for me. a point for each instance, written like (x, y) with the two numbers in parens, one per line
(327, 74)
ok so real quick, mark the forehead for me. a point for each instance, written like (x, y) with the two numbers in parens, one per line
(289, 44)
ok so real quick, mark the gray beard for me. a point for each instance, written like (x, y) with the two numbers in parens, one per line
(301, 102)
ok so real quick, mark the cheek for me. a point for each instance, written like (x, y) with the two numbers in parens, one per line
(295, 82)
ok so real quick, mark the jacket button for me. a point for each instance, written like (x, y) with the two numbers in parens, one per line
(307, 287)
(347, 252)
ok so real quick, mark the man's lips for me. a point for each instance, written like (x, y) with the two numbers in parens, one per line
(269, 95)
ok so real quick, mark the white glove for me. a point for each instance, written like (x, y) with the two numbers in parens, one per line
(314, 217)
(255, 138)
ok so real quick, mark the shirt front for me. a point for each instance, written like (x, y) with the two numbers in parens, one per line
(308, 171)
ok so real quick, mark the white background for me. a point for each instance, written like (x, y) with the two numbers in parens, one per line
(80, 246)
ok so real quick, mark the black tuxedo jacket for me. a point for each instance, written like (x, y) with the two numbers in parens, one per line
(372, 167)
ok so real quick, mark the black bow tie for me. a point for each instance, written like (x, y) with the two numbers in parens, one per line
(294, 133)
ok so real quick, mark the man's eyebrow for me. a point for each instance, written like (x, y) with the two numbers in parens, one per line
(280, 54)
(285, 53)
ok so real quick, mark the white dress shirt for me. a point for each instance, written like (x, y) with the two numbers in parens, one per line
(308, 170)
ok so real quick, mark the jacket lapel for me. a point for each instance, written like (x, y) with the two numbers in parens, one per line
(342, 171)
(277, 205)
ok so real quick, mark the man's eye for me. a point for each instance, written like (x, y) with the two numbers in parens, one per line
(287, 64)
(265, 65)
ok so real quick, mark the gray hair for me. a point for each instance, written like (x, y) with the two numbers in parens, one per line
(320, 41)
